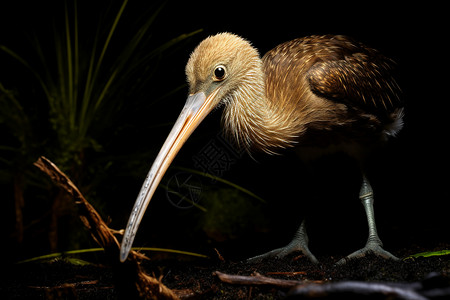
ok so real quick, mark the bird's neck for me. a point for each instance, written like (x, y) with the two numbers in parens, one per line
(253, 121)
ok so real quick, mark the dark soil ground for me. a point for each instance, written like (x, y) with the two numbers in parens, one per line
(195, 278)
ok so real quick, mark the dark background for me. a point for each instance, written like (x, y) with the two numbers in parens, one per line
(411, 178)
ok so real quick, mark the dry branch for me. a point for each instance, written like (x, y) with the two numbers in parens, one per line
(257, 279)
(372, 290)
(435, 286)
(147, 286)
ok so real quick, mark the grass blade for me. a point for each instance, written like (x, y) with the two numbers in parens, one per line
(202, 208)
(111, 32)
(229, 183)
(25, 63)
(93, 250)
(428, 254)
(168, 44)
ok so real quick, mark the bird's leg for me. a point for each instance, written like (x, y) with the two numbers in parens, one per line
(298, 243)
(374, 244)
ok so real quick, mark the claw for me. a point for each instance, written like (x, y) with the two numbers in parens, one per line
(283, 252)
(370, 248)
(374, 244)
(299, 243)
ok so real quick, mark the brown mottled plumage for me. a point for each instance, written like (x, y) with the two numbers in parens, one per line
(317, 87)
(313, 91)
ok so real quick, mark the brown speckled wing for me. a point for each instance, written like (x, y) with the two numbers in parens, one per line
(359, 77)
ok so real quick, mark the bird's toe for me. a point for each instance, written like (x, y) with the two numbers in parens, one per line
(283, 252)
(368, 249)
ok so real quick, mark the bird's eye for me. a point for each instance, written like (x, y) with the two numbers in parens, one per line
(219, 73)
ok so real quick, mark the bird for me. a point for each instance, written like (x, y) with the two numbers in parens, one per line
(320, 91)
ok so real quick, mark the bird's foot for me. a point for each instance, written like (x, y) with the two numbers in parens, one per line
(372, 247)
(293, 246)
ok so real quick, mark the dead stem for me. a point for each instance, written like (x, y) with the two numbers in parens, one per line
(148, 287)
(258, 279)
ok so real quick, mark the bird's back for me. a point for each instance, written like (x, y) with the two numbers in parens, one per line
(332, 87)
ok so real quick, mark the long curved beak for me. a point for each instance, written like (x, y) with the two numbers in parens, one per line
(197, 107)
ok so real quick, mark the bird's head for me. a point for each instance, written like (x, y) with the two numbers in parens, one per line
(222, 66)
(223, 69)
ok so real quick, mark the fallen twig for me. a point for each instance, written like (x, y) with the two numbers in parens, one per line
(147, 286)
(355, 288)
(258, 279)
(435, 286)
(287, 273)
(219, 255)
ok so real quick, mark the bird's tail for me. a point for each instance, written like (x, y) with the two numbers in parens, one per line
(393, 128)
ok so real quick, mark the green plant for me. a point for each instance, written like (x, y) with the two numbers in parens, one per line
(86, 80)
(90, 71)
(226, 182)
(428, 254)
(95, 250)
